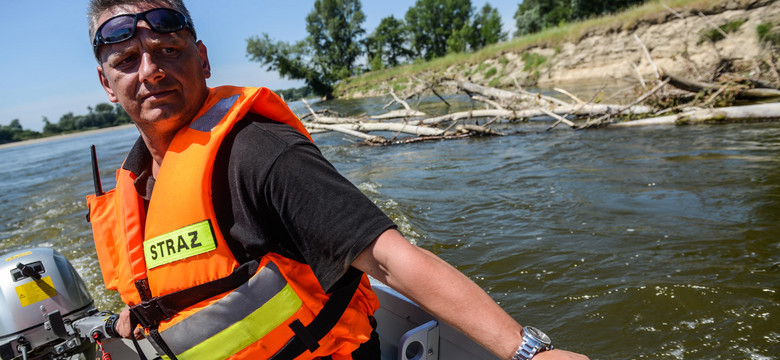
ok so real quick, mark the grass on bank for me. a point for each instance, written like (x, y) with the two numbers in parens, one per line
(716, 35)
(766, 34)
(651, 11)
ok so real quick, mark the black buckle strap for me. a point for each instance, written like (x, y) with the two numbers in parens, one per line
(149, 313)
(155, 310)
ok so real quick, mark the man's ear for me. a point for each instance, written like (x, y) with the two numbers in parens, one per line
(204, 59)
(106, 86)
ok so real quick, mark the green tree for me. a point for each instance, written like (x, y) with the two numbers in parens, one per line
(487, 28)
(15, 125)
(460, 39)
(50, 128)
(6, 135)
(335, 34)
(327, 55)
(10, 132)
(386, 45)
(14, 132)
(67, 122)
(432, 22)
(534, 15)
(294, 93)
(291, 61)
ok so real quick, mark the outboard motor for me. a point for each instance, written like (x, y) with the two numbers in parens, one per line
(46, 310)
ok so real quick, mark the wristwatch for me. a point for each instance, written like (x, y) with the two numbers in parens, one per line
(534, 342)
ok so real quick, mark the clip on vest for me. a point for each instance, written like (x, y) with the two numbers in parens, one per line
(148, 313)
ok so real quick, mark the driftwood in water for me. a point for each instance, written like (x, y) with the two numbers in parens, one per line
(532, 103)
(606, 119)
(746, 113)
(519, 105)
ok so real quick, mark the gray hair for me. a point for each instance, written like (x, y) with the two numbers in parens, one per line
(97, 7)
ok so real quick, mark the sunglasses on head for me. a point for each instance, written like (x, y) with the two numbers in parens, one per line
(122, 27)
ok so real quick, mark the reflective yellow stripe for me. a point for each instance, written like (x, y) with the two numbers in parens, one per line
(247, 331)
(179, 244)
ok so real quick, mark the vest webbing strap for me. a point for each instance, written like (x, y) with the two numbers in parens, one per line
(308, 337)
(151, 312)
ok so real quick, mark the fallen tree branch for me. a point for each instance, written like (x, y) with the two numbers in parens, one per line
(639, 76)
(487, 101)
(515, 98)
(344, 130)
(493, 93)
(397, 127)
(398, 114)
(480, 130)
(560, 119)
(606, 118)
(647, 55)
(311, 111)
(536, 96)
(747, 113)
(564, 92)
(403, 103)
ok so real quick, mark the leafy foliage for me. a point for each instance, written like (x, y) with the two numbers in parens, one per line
(535, 15)
(14, 132)
(432, 22)
(293, 94)
(487, 28)
(335, 33)
(327, 55)
(386, 45)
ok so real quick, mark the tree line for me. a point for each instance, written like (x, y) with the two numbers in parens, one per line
(102, 116)
(338, 47)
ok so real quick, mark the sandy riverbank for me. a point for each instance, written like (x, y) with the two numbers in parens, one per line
(610, 54)
(71, 135)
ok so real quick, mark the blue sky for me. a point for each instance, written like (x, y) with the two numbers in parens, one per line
(48, 68)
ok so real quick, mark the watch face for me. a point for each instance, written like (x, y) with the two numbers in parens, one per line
(538, 335)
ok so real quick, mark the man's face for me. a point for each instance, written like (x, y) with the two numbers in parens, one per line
(159, 79)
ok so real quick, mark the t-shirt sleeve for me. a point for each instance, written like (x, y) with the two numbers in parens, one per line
(328, 218)
(315, 209)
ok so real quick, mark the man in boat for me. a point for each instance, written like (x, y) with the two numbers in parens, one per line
(251, 245)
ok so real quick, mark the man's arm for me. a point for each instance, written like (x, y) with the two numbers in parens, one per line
(446, 293)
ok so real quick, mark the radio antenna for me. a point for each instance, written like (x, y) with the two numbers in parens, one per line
(96, 172)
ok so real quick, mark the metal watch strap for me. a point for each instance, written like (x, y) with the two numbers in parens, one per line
(525, 352)
(529, 347)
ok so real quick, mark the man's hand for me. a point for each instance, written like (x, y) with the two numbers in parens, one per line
(559, 355)
(123, 326)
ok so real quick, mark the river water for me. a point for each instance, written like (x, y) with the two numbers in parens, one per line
(645, 243)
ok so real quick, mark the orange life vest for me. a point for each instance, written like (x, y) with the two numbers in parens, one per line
(159, 257)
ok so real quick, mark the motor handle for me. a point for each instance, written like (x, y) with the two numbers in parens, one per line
(97, 327)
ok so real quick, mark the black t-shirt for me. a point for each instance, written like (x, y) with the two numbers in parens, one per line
(273, 191)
